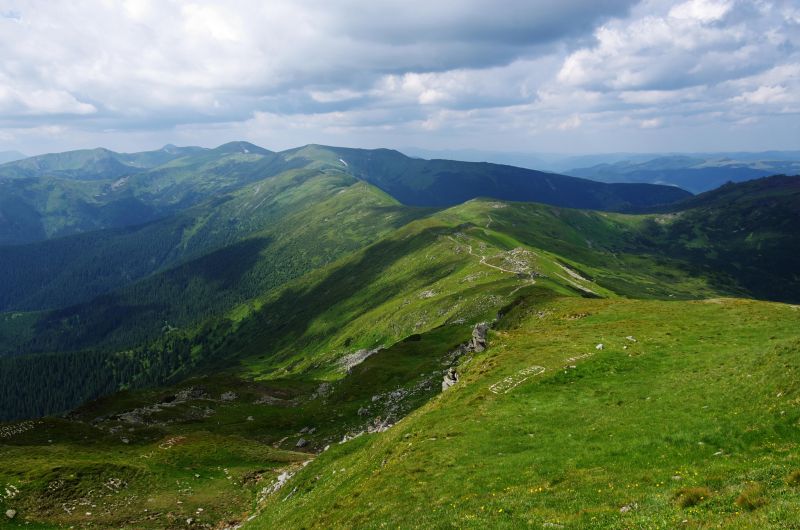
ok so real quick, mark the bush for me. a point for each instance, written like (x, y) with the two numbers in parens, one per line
(687, 497)
(751, 499)
(794, 478)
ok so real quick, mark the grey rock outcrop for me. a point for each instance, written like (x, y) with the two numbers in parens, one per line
(450, 379)
(478, 341)
(350, 361)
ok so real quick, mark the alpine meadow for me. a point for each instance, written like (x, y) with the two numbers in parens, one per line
(552, 282)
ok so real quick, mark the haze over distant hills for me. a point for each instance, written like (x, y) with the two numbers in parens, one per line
(695, 172)
(10, 156)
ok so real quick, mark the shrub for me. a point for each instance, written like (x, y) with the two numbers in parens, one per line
(794, 478)
(687, 497)
(751, 499)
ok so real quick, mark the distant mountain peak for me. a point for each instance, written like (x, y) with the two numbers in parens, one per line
(241, 146)
(11, 156)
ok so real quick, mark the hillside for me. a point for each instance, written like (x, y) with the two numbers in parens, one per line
(44, 274)
(82, 191)
(740, 230)
(309, 307)
(205, 300)
(422, 182)
(90, 164)
(62, 194)
(669, 424)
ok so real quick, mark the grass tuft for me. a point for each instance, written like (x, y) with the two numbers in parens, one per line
(688, 497)
(751, 498)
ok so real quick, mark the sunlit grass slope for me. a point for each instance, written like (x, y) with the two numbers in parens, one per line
(687, 417)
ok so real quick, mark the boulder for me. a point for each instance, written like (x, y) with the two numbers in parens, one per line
(478, 341)
(228, 396)
(450, 378)
(302, 442)
(11, 513)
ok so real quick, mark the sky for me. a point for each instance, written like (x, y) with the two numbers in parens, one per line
(573, 76)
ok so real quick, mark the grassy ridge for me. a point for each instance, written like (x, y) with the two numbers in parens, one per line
(619, 437)
(687, 412)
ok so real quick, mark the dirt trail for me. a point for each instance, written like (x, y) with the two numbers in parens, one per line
(483, 259)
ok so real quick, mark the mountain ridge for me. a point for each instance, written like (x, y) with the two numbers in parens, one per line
(294, 320)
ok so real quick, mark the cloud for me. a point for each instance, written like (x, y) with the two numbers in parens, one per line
(652, 123)
(573, 122)
(392, 72)
(765, 95)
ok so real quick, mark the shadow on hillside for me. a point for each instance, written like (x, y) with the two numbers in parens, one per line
(138, 313)
(287, 319)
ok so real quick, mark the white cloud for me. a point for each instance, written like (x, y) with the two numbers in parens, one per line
(396, 71)
(573, 122)
(764, 95)
(702, 10)
(652, 123)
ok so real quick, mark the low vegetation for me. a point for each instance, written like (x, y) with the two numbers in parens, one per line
(301, 350)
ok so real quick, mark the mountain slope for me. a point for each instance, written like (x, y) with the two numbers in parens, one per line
(336, 322)
(94, 190)
(91, 164)
(78, 191)
(670, 424)
(265, 235)
(368, 299)
(745, 231)
(445, 182)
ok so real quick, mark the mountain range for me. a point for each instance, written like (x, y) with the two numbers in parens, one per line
(330, 337)
(61, 194)
(696, 172)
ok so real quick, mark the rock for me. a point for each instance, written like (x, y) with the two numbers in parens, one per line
(450, 378)
(11, 513)
(631, 338)
(362, 411)
(322, 391)
(351, 360)
(250, 418)
(599, 346)
(228, 396)
(478, 341)
(628, 507)
(302, 442)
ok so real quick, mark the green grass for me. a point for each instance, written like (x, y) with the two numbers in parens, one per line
(68, 474)
(634, 424)
(687, 413)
